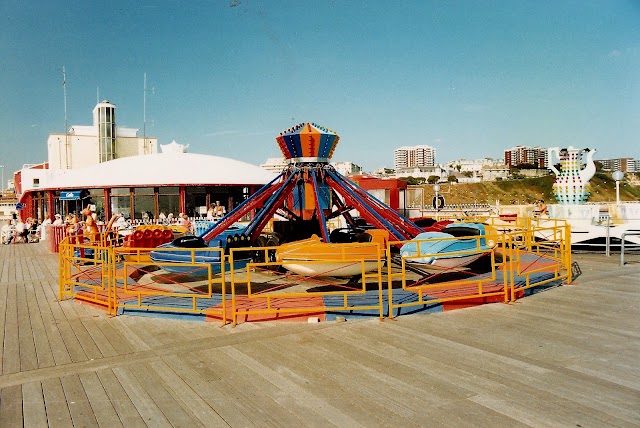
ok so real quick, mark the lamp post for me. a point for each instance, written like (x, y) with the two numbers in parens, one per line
(618, 175)
(2, 194)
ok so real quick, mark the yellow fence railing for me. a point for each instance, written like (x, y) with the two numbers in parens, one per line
(270, 288)
(160, 286)
(250, 284)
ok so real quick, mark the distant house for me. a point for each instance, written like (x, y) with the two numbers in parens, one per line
(495, 172)
(421, 172)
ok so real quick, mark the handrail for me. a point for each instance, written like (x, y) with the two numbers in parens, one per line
(622, 244)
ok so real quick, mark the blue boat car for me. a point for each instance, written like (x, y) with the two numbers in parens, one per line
(456, 246)
(183, 252)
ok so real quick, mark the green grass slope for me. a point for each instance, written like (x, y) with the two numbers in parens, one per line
(528, 190)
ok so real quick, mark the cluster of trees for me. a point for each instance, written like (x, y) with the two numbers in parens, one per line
(432, 179)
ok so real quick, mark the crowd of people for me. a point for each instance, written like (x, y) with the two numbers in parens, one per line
(32, 230)
(15, 230)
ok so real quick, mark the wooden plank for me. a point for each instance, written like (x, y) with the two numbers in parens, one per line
(241, 385)
(330, 411)
(34, 411)
(146, 407)
(11, 348)
(4, 293)
(35, 263)
(137, 332)
(79, 407)
(467, 413)
(563, 357)
(65, 330)
(117, 341)
(71, 310)
(103, 346)
(404, 388)
(5, 261)
(38, 329)
(188, 396)
(30, 273)
(56, 404)
(531, 380)
(59, 350)
(103, 410)
(319, 372)
(212, 392)
(11, 406)
(117, 396)
(28, 358)
(162, 395)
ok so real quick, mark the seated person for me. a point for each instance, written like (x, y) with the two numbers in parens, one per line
(184, 221)
(542, 207)
(7, 232)
(58, 221)
(33, 232)
(21, 231)
(121, 222)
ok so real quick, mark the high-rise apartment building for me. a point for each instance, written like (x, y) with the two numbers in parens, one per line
(619, 164)
(526, 155)
(415, 156)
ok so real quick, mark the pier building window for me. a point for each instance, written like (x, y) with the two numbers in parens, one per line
(195, 200)
(169, 200)
(121, 201)
(39, 204)
(58, 207)
(217, 193)
(144, 202)
(96, 197)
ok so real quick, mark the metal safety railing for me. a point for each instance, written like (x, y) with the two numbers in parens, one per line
(622, 243)
(85, 271)
(143, 284)
(257, 283)
(432, 284)
(277, 289)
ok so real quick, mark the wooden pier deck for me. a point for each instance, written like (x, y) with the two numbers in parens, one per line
(568, 356)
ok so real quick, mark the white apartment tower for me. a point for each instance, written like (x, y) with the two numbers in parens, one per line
(415, 156)
(104, 114)
(85, 145)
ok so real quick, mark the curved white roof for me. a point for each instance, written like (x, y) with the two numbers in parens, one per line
(170, 169)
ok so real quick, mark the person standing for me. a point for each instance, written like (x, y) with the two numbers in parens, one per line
(219, 210)
(211, 213)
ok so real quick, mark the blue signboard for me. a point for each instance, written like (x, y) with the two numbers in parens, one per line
(70, 195)
(19, 206)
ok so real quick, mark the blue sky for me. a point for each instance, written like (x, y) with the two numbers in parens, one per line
(470, 78)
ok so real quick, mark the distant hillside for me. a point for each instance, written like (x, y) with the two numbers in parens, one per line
(603, 189)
